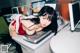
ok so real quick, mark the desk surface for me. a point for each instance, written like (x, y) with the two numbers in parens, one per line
(20, 39)
(66, 41)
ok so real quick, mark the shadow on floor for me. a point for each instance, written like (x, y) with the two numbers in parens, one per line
(77, 30)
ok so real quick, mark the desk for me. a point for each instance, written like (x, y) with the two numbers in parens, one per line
(27, 47)
(66, 41)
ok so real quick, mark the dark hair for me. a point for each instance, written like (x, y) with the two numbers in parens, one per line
(49, 10)
(35, 20)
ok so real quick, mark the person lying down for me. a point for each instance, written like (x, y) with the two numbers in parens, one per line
(45, 21)
(26, 26)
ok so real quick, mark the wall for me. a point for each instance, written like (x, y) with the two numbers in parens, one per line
(8, 3)
(4, 3)
(21, 2)
(63, 8)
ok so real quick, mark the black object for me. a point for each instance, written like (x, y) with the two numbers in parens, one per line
(6, 11)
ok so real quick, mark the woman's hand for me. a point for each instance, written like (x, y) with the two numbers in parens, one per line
(38, 28)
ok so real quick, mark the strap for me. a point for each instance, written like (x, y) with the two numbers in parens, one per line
(17, 18)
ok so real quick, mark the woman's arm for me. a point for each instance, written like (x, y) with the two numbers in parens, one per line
(26, 24)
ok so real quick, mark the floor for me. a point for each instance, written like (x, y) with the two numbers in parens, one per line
(66, 41)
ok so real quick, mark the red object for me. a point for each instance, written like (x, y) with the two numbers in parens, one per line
(20, 30)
